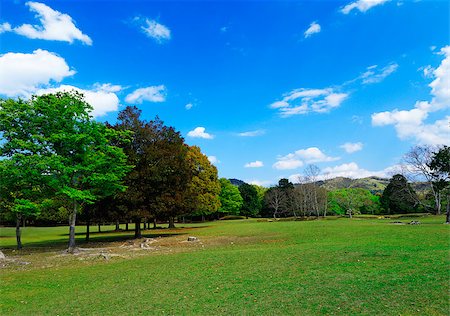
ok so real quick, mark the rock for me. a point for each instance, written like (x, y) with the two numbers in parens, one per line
(191, 238)
(105, 255)
(2, 255)
(414, 223)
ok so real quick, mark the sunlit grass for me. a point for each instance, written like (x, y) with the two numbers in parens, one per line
(341, 266)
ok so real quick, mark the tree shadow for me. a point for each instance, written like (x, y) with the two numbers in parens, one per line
(97, 239)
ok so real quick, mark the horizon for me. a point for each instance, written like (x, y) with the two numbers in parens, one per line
(263, 88)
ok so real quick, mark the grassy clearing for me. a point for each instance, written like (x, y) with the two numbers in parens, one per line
(340, 266)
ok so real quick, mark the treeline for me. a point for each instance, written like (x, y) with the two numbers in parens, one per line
(58, 165)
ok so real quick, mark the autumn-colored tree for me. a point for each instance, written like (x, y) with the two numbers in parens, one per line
(202, 196)
(158, 183)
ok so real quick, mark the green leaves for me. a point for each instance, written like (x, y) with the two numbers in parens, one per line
(52, 143)
(230, 198)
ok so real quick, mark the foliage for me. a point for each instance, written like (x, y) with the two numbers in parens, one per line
(399, 197)
(202, 196)
(440, 169)
(352, 201)
(69, 151)
(251, 205)
(157, 185)
(231, 217)
(230, 198)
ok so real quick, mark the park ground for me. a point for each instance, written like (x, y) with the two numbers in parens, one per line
(336, 266)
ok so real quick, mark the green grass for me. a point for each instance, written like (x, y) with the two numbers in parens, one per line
(339, 266)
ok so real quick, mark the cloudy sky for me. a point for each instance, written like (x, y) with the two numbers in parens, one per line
(264, 88)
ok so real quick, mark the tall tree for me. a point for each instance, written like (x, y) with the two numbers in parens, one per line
(275, 199)
(81, 165)
(250, 205)
(440, 168)
(398, 196)
(230, 198)
(287, 188)
(158, 184)
(417, 164)
(202, 196)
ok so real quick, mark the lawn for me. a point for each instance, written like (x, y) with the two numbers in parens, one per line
(336, 266)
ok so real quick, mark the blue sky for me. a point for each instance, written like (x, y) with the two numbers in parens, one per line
(264, 88)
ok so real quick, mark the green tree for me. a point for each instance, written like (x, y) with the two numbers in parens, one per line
(440, 169)
(81, 165)
(352, 201)
(202, 196)
(261, 192)
(250, 205)
(22, 165)
(230, 198)
(398, 196)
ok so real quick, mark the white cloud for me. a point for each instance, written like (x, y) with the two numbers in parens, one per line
(427, 71)
(254, 164)
(313, 155)
(54, 26)
(375, 75)
(22, 74)
(151, 94)
(410, 124)
(102, 97)
(352, 147)
(160, 33)
(5, 27)
(362, 5)
(352, 170)
(254, 133)
(303, 101)
(262, 183)
(213, 160)
(300, 157)
(314, 28)
(188, 106)
(199, 132)
(107, 87)
(287, 164)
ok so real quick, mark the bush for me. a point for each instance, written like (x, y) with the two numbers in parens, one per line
(231, 217)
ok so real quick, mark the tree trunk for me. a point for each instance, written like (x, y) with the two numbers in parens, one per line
(99, 227)
(171, 222)
(72, 228)
(438, 203)
(447, 217)
(154, 223)
(117, 225)
(126, 226)
(18, 233)
(88, 224)
(203, 217)
(137, 228)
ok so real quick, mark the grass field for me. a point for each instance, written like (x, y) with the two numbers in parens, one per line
(335, 266)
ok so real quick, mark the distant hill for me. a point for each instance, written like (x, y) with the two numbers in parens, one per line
(373, 184)
(236, 182)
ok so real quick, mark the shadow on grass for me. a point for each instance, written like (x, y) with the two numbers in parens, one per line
(97, 239)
